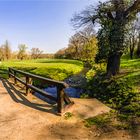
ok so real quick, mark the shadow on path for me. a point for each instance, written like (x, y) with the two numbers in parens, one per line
(19, 97)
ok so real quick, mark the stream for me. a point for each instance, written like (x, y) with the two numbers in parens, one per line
(70, 91)
(75, 91)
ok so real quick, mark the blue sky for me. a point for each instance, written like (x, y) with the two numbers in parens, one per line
(38, 23)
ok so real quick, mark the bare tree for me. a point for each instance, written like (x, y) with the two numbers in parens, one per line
(35, 53)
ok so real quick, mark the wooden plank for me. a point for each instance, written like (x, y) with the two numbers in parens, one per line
(50, 81)
(42, 92)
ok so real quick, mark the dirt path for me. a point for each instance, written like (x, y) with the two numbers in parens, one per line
(29, 118)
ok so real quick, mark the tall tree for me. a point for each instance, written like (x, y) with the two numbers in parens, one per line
(113, 17)
(22, 51)
(7, 50)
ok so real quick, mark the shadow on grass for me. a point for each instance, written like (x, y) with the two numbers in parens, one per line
(18, 97)
(132, 76)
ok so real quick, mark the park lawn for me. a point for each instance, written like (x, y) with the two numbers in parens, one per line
(130, 70)
(57, 69)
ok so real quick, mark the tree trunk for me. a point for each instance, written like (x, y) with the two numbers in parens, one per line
(138, 48)
(131, 47)
(131, 54)
(113, 65)
(131, 51)
(116, 40)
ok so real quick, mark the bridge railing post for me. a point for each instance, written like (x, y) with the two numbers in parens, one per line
(60, 98)
(9, 71)
(27, 82)
(15, 80)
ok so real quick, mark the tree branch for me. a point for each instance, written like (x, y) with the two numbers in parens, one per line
(134, 8)
(109, 14)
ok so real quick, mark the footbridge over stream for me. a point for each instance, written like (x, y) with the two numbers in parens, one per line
(21, 90)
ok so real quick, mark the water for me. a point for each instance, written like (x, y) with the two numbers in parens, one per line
(71, 92)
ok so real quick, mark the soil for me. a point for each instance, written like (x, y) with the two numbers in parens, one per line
(29, 118)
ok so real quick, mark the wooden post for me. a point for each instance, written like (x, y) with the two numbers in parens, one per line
(15, 80)
(9, 71)
(27, 82)
(60, 99)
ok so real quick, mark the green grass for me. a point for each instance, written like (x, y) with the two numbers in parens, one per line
(57, 69)
(131, 71)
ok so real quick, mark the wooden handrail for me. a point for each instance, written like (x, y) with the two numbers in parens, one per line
(61, 95)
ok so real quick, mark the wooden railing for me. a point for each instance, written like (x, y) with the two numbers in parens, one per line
(62, 97)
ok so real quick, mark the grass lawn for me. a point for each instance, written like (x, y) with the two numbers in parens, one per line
(57, 69)
(130, 69)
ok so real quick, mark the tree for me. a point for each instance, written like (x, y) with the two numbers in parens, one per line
(7, 50)
(60, 53)
(35, 53)
(22, 52)
(89, 45)
(2, 54)
(132, 37)
(113, 17)
(138, 30)
(83, 45)
(74, 44)
(138, 48)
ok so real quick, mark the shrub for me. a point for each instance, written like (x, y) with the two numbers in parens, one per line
(99, 121)
(117, 93)
(90, 74)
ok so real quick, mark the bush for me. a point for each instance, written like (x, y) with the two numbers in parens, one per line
(117, 93)
(99, 121)
(90, 74)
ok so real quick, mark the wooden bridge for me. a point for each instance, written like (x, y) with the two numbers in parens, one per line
(62, 100)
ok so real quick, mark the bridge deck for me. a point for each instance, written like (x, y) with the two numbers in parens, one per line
(27, 117)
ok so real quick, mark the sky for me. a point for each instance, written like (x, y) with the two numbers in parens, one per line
(43, 24)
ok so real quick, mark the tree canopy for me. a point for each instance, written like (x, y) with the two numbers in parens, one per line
(112, 16)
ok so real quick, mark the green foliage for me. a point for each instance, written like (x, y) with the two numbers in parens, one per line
(99, 121)
(68, 115)
(118, 93)
(90, 74)
(82, 46)
(123, 126)
(84, 95)
(103, 46)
